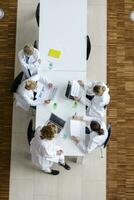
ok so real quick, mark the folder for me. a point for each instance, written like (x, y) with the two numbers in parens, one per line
(54, 53)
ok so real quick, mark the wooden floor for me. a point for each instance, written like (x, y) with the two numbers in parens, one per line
(7, 54)
(120, 169)
(120, 153)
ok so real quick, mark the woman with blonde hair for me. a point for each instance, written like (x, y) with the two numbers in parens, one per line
(44, 150)
(31, 92)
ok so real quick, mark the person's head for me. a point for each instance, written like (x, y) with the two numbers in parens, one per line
(95, 126)
(48, 132)
(99, 90)
(30, 85)
(28, 49)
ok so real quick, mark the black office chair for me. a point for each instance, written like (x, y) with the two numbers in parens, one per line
(16, 82)
(88, 47)
(36, 44)
(30, 131)
(109, 129)
(37, 14)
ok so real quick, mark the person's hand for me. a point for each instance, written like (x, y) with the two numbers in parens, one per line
(81, 82)
(39, 61)
(47, 101)
(59, 152)
(74, 138)
(77, 98)
(50, 85)
(76, 117)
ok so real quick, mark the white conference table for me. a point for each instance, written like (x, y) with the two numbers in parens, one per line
(65, 109)
(63, 26)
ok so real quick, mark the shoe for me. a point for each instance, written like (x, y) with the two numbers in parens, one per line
(66, 166)
(54, 172)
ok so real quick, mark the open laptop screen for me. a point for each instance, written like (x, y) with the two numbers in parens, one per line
(57, 120)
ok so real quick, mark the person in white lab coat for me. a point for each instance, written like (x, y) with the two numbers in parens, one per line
(95, 135)
(97, 98)
(31, 92)
(44, 150)
(29, 59)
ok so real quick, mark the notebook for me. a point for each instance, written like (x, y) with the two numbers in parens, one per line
(73, 90)
(54, 119)
(77, 128)
(54, 53)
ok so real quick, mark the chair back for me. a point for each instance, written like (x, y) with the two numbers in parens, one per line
(16, 82)
(37, 14)
(36, 44)
(30, 131)
(109, 129)
(88, 47)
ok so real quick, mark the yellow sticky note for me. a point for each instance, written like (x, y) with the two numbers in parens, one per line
(54, 53)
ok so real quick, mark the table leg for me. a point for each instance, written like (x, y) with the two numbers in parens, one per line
(79, 160)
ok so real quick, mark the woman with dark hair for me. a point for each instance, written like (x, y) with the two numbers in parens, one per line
(44, 150)
(95, 134)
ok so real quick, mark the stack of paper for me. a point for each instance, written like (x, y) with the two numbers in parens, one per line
(77, 128)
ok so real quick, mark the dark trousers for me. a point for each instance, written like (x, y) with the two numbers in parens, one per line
(89, 97)
(87, 131)
(34, 107)
(31, 136)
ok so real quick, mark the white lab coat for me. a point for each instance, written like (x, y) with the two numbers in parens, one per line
(96, 105)
(33, 63)
(24, 98)
(43, 152)
(93, 140)
(88, 87)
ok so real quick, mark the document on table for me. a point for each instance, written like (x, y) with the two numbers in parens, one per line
(46, 92)
(50, 93)
(54, 53)
(75, 89)
(77, 127)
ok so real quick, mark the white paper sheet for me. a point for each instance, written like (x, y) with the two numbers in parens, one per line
(77, 128)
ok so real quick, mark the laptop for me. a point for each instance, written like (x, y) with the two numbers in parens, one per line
(54, 119)
(73, 90)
